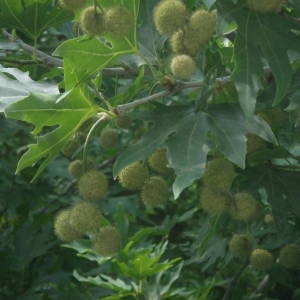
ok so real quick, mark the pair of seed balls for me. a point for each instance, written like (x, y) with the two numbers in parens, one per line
(188, 33)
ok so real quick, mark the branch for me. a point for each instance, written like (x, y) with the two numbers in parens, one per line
(18, 62)
(51, 61)
(179, 86)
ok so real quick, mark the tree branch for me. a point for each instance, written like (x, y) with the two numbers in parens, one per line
(18, 62)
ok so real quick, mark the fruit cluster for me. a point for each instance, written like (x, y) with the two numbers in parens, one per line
(116, 20)
(189, 33)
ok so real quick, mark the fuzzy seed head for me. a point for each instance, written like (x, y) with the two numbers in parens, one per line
(123, 121)
(107, 241)
(177, 42)
(119, 21)
(169, 16)
(261, 259)
(133, 176)
(92, 185)
(72, 4)
(155, 191)
(245, 207)
(215, 201)
(182, 66)
(220, 173)
(265, 6)
(85, 217)
(63, 228)
(201, 27)
(109, 138)
(76, 167)
(269, 219)
(93, 21)
(240, 246)
(158, 161)
(290, 256)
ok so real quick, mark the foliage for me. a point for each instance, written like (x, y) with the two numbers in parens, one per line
(237, 102)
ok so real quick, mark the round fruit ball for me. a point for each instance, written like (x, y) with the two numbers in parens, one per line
(155, 191)
(107, 241)
(290, 256)
(76, 167)
(109, 138)
(240, 246)
(201, 27)
(215, 201)
(72, 4)
(269, 219)
(169, 16)
(261, 259)
(245, 207)
(93, 21)
(158, 161)
(63, 228)
(220, 173)
(85, 217)
(133, 176)
(92, 185)
(265, 6)
(182, 66)
(118, 20)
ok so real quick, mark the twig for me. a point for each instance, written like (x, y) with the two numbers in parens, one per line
(234, 282)
(123, 108)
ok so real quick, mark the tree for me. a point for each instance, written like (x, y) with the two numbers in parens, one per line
(179, 124)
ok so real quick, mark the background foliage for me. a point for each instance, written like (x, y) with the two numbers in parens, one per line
(55, 85)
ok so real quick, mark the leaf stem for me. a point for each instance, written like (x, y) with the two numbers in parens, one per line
(101, 118)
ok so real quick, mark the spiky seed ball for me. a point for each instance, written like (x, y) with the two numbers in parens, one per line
(93, 21)
(123, 121)
(254, 143)
(133, 176)
(92, 185)
(169, 16)
(215, 201)
(85, 217)
(201, 27)
(265, 6)
(240, 246)
(245, 207)
(76, 167)
(220, 173)
(72, 4)
(261, 259)
(269, 219)
(158, 161)
(182, 66)
(290, 256)
(109, 138)
(155, 191)
(63, 228)
(107, 241)
(118, 20)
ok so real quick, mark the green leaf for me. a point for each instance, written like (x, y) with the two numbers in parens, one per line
(20, 86)
(85, 56)
(185, 132)
(102, 280)
(263, 40)
(187, 151)
(43, 112)
(229, 126)
(30, 17)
